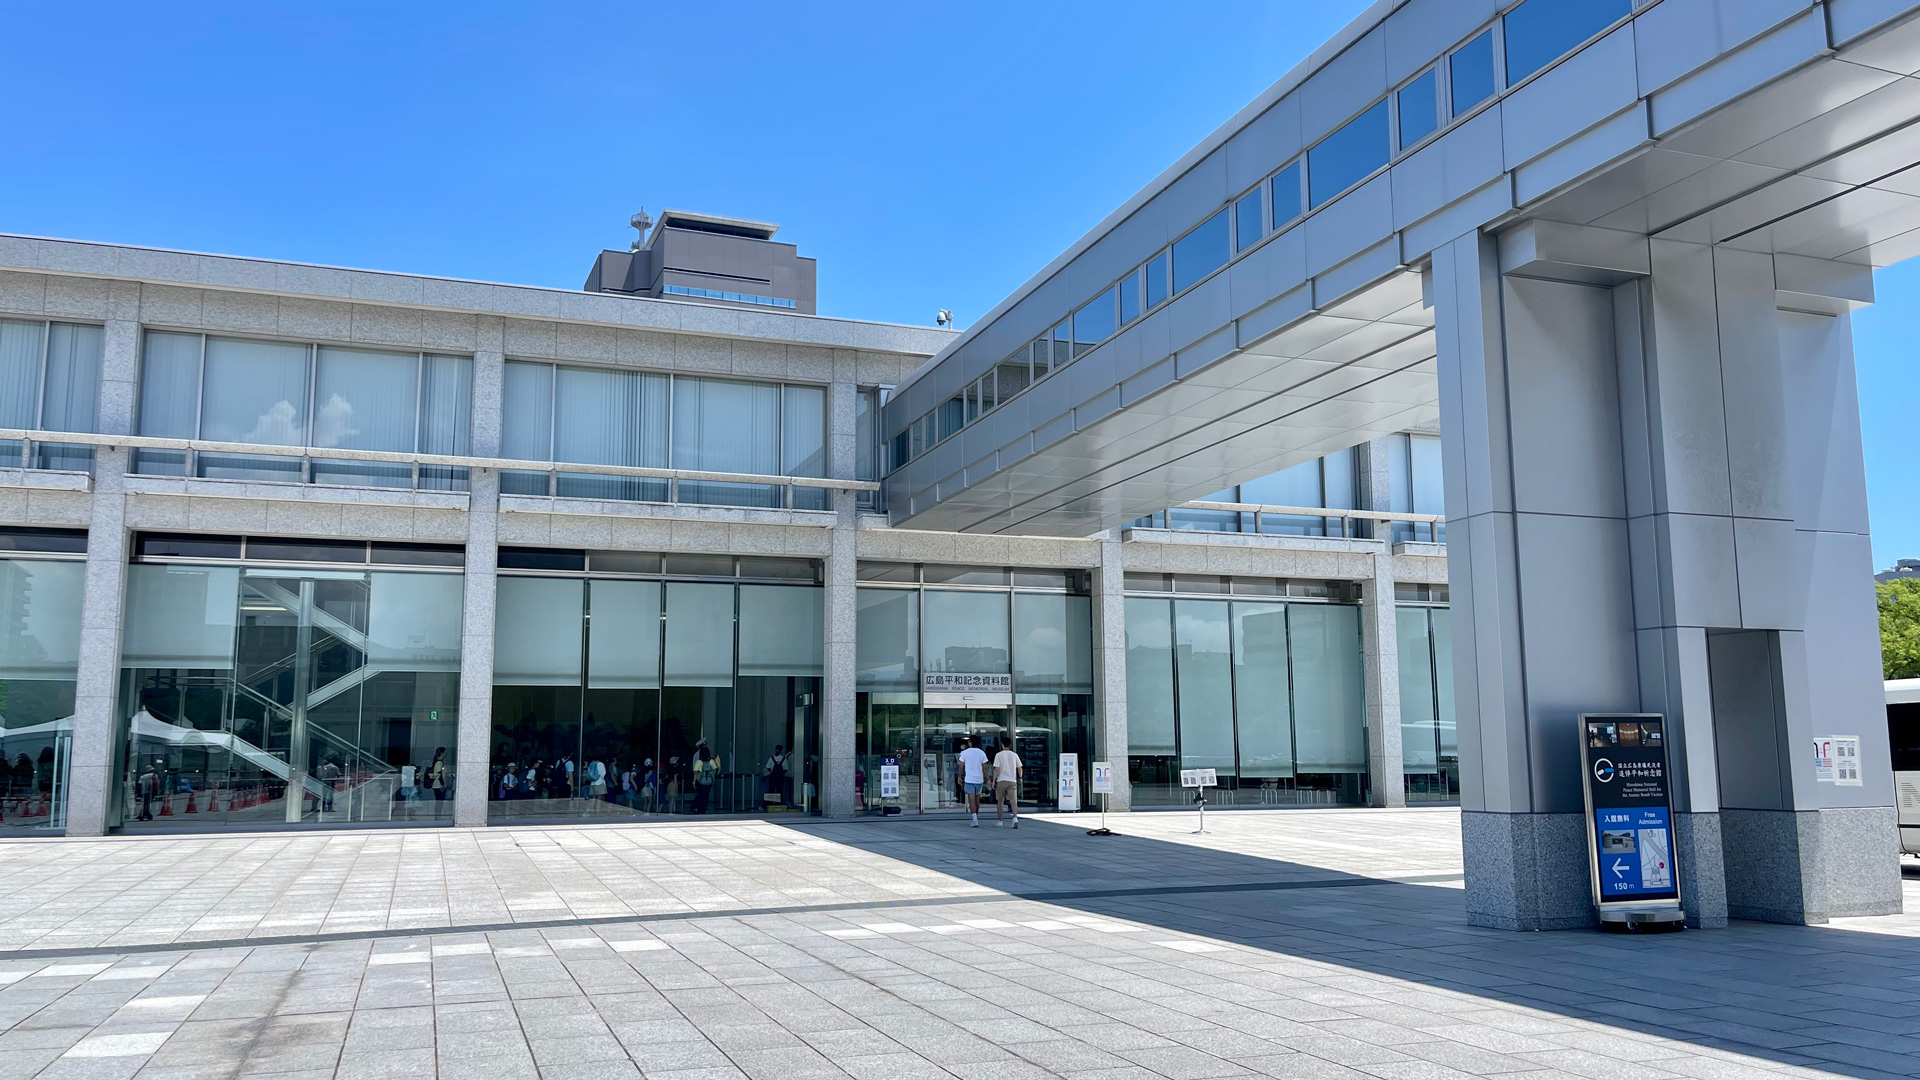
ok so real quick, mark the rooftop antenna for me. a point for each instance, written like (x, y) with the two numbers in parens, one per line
(641, 221)
(943, 317)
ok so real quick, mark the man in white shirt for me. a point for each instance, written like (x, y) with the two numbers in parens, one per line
(1006, 784)
(973, 776)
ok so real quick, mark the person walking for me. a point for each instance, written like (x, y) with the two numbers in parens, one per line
(777, 775)
(973, 776)
(1006, 783)
(437, 775)
(706, 769)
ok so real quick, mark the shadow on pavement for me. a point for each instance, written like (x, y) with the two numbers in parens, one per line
(1843, 1001)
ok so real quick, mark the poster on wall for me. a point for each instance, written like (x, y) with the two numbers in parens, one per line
(1629, 810)
(1836, 760)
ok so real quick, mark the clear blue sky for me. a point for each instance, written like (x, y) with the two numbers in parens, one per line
(929, 155)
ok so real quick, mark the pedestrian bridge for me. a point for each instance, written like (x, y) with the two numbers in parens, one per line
(1269, 298)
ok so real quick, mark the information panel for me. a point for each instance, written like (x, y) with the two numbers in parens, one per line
(1069, 783)
(889, 777)
(1629, 808)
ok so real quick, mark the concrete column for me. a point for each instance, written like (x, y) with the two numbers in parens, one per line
(90, 769)
(1110, 670)
(1656, 502)
(841, 613)
(1373, 483)
(1379, 624)
(474, 741)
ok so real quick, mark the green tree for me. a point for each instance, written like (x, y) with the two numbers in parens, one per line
(1899, 627)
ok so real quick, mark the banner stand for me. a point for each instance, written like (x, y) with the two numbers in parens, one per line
(1631, 858)
(1103, 787)
(1200, 779)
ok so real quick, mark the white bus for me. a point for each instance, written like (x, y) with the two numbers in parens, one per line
(1903, 736)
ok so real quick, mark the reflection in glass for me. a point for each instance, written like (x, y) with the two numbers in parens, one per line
(1470, 72)
(1286, 196)
(1156, 279)
(39, 656)
(1419, 109)
(1150, 718)
(966, 632)
(1249, 221)
(1200, 252)
(1262, 703)
(1349, 155)
(1542, 31)
(1093, 323)
(1204, 659)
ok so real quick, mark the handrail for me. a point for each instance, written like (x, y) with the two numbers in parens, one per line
(325, 453)
(1316, 511)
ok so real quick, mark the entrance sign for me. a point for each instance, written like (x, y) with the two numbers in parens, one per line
(961, 690)
(889, 777)
(1069, 796)
(1102, 778)
(1630, 818)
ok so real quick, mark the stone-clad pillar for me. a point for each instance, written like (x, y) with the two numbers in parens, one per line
(1386, 772)
(90, 767)
(474, 740)
(840, 614)
(1110, 671)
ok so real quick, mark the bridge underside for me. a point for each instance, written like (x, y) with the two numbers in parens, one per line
(1818, 162)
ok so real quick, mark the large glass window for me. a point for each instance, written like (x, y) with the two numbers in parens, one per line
(50, 381)
(1429, 745)
(1470, 72)
(255, 695)
(1130, 298)
(1266, 693)
(1200, 252)
(273, 393)
(39, 656)
(727, 426)
(1349, 155)
(1419, 109)
(699, 696)
(1542, 31)
(1052, 647)
(1156, 280)
(1287, 204)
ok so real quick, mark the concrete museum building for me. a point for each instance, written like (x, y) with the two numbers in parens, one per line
(294, 546)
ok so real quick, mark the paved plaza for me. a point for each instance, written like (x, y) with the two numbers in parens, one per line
(1313, 943)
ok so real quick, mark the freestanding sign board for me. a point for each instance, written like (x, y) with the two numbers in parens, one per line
(1629, 818)
(1067, 798)
(889, 777)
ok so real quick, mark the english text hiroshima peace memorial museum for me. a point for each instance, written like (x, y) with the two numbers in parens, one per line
(1492, 367)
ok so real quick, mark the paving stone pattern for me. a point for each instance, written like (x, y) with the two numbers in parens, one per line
(1286, 944)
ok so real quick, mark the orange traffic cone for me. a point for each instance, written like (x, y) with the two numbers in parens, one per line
(190, 808)
(166, 806)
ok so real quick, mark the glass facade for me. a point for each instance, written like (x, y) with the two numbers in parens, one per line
(1267, 692)
(949, 653)
(1416, 486)
(1429, 739)
(639, 419)
(40, 593)
(317, 397)
(635, 687)
(258, 690)
(1327, 482)
(49, 381)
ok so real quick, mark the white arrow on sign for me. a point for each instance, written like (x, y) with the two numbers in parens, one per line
(1619, 867)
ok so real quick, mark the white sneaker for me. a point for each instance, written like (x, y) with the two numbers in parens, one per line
(999, 824)
(1016, 823)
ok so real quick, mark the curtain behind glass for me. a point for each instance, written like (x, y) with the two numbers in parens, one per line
(1202, 644)
(623, 644)
(365, 400)
(446, 404)
(1418, 740)
(22, 347)
(527, 432)
(536, 632)
(726, 426)
(413, 621)
(1052, 646)
(170, 385)
(1261, 701)
(72, 398)
(1329, 700)
(610, 418)
(39, 619)
(699, 634)
(966, 632)
(887, 640)
(255, 392)
(1149, 676)
(803, 431)
(782, 628)
(180, 616)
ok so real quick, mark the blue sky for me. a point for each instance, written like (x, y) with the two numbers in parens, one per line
(929, 155)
